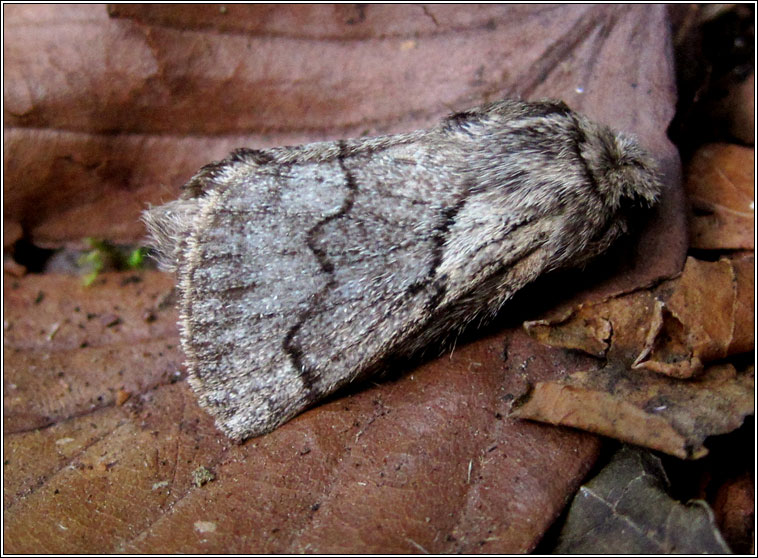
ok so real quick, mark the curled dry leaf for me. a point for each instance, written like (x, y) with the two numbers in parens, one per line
(652, 338)
(645, 408)
(626, 509)
(611, 328)
(672, 328)
(720, 185)
(709, 316)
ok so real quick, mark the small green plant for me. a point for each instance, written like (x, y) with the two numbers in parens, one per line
(136, 258)
(102, 256)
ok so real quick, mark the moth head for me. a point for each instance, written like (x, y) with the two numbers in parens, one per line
(626, 174)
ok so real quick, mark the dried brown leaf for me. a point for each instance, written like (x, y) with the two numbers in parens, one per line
(720, 185)
(87, 470)
(314, 21)
(104, 116)
(706, 318)
(673, 328)
(646, 408)
(614, 327)
(61, 359)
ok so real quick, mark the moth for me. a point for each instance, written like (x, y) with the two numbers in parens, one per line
(303, 268)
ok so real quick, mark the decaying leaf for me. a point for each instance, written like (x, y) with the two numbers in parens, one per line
(625, 509)
(652, 339)
(70, 349)
(673, 328)
(720, 186)
(614, 327)
(646, 408)
(709, 316)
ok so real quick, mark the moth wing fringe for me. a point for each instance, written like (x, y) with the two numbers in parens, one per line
(169, 225)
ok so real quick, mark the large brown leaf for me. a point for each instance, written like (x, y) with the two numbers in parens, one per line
(105, 115)
(424, 461)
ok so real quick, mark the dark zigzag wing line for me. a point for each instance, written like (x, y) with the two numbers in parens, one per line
(295, 352)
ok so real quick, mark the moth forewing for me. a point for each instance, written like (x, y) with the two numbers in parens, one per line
(302, 268)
